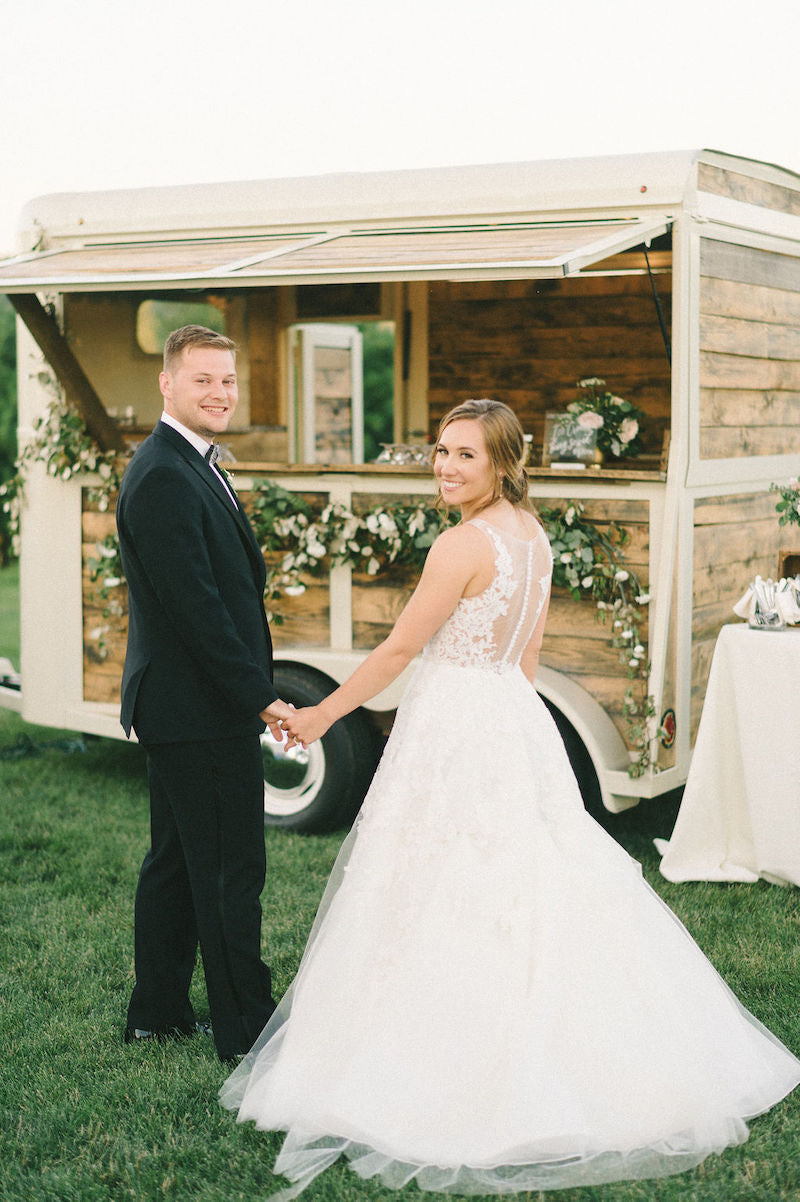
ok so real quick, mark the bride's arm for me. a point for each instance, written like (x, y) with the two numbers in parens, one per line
(452, 562)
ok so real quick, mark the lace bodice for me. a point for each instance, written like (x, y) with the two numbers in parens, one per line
(492, 629)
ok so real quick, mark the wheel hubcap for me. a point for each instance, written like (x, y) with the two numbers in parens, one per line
(292, 779)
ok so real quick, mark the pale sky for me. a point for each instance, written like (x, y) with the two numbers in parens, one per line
(128, 93)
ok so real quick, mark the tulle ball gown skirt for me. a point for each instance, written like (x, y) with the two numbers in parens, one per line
(492, 998)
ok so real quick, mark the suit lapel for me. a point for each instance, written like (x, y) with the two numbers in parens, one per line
(209, 477)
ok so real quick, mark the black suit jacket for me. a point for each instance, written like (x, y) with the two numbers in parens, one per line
(199, 657)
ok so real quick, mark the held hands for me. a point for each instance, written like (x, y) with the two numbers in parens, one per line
(276, 713)
(306, 725)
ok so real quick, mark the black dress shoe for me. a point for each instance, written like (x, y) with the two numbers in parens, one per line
(160, 1034)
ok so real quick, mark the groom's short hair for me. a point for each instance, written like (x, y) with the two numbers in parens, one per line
(190, 336)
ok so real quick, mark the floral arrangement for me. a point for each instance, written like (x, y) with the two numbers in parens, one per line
(588, 561)
(370, 542)
(788, 507)
(616, 421)
(304, 541)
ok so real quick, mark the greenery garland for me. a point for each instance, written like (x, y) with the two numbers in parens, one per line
(302, 541)
(586, 560)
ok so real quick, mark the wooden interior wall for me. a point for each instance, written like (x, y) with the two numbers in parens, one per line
(263, 333)
(736, 537)
(528, 342)
(749, 352)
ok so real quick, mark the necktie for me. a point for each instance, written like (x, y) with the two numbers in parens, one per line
(212, 454)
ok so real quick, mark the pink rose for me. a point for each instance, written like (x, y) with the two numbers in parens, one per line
(628, 430)
(590, 420)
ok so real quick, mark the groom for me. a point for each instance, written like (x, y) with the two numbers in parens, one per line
(197, 689)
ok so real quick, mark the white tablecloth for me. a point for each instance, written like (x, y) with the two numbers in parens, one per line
(740, 815)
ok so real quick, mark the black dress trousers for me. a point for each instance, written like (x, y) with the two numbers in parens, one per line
(201, 882)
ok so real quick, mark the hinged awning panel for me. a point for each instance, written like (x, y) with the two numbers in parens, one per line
(488, 251)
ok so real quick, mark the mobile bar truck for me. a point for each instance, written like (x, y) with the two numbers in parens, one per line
(659, 292)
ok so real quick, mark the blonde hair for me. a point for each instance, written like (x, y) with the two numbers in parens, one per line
(190, 336)
(505, 443)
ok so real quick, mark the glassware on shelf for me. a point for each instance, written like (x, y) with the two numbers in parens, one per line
(403, 453)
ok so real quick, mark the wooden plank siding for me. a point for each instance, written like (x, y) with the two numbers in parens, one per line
(576, 642)
(736, 537)
(528, 342)
(749, 361)
(746, 189)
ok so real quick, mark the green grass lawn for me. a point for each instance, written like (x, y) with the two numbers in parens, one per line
(9, 613)
(83, 1118)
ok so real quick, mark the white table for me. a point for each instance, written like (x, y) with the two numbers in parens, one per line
(740, 815)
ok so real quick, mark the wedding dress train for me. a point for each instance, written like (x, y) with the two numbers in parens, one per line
(492, 999)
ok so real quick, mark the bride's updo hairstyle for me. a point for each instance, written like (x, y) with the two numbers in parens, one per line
(505, 443)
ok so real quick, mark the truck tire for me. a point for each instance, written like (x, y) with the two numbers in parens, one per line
(320, 788)
(582, 765)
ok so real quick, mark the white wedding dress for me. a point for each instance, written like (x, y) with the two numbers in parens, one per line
(492, 998)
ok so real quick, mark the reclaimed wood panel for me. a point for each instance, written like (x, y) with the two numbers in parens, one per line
(766, 268)
(739, 371)
(735, 538)
(749, 360)
(748, 407)
(702, 654)
(750, 302)
(721, 182)
(734, 442)
(759, 339)
(302, 621)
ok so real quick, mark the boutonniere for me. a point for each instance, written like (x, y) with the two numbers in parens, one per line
(228, 476)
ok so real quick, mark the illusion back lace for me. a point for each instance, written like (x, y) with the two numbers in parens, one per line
(492, 629)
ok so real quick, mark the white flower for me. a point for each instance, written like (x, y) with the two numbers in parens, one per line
(591, 382)
(587, 582)
(628, 430)
(315, 549)
(566, 557)
(638, 650)
(373, 567)
(112, 582)
(588, 420)
(294, 590)
(621, 575)
(569, 515)
(633, 663)
(617, 400)
(372, 523)
(643, 599)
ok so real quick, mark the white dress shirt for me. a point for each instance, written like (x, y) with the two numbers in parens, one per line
(201, 445)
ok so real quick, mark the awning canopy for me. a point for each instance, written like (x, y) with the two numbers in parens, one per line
(511, 250)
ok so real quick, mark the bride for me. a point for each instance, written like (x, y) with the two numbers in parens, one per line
(492, 999)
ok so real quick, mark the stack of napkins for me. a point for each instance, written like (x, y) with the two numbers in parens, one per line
(768, 605)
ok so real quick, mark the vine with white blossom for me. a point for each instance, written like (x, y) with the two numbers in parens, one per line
(301, 541)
